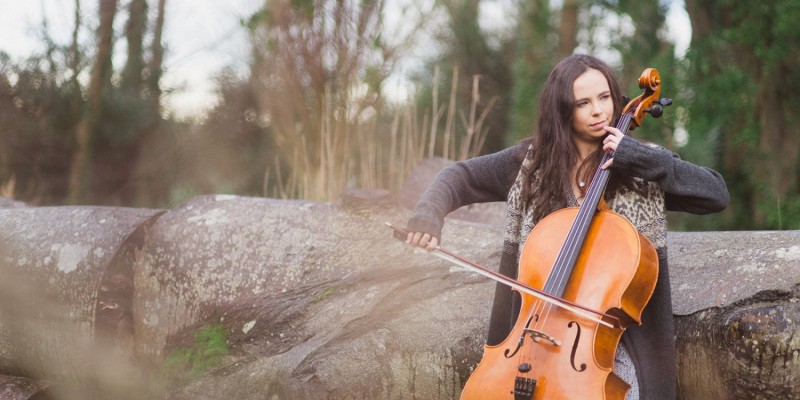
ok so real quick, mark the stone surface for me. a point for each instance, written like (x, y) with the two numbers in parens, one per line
(16, 388)
(317, 300)
(737, 303)
(716, 269)
(53, 263)
(5, 202)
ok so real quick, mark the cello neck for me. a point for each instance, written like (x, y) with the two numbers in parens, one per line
(565, 262)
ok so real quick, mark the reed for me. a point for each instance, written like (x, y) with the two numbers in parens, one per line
(379, 151)
(7, 188)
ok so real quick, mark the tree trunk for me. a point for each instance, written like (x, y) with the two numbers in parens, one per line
(699, 19)
(74, 51)
(156, 60)
(778, 144)
(81, 168)
(568, 31)
(534, 57)
(753, 129)
(132, 74)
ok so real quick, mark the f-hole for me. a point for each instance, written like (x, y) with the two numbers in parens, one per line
(521, 338)
(575, 347)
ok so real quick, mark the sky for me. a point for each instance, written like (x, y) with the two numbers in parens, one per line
(204, 36)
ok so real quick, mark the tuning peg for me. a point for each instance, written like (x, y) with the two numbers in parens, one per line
(665, 101)
(656, 110)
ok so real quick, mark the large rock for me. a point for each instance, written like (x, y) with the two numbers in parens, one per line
(736, 311)
(316, 300)
(5, 202)
(16, 388)
(65, 292)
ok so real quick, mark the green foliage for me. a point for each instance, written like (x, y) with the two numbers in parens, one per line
(304, 7)
(467, 52)
(37, 114)
(323, 295)
(312, 119)
(210, 347)
(534, 57)
(255, 20)
(641, 44)
(741, 83)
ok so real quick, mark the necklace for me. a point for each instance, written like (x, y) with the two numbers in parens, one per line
(581, 184)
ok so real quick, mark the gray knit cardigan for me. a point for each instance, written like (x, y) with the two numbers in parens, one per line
(687, 187)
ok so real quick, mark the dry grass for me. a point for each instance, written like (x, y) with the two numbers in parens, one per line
(7, 188)
(379, 152)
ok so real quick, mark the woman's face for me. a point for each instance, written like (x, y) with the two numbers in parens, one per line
(594, 108)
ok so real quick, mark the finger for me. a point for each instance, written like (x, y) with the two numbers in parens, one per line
(419, 240)
(409, 237)
(426, 239)
(433, 243)
(614, 131)
(610, 146)
(612, 139)
(607, 164)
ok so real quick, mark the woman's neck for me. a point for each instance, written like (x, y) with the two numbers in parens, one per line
(585, 150)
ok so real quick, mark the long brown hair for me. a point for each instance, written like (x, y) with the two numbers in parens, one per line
(554, 152)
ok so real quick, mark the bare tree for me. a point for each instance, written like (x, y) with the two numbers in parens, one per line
(320, 66)
(80, 173)
(568, 30)
(156, 60)
(75, 62)
(132, 74)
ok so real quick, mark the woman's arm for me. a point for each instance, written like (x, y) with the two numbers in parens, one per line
(477, 180)
(687, 187)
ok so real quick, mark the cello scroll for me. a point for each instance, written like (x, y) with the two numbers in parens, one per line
(649, 101)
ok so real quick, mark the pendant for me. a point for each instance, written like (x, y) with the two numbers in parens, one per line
(581, 184)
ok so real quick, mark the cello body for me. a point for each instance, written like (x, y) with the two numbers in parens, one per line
(552, 353)
(587, 256)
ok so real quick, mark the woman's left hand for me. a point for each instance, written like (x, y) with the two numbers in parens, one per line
(611, 142)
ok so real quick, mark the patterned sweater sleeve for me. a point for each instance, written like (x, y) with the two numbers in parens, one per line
(477, 180)
(687, 187)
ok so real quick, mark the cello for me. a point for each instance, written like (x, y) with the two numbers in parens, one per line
(587, 257)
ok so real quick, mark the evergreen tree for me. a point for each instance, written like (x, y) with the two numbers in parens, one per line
(744, 73)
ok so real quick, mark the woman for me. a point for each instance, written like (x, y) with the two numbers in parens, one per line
(580, 102)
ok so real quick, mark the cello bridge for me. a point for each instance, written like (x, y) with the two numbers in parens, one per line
(537, 336)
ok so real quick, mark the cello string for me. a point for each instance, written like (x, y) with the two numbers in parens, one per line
(571, 246)
(572, 243)
(561, 271)
(585, 216)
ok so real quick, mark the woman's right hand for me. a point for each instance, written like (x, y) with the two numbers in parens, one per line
(424, 240)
